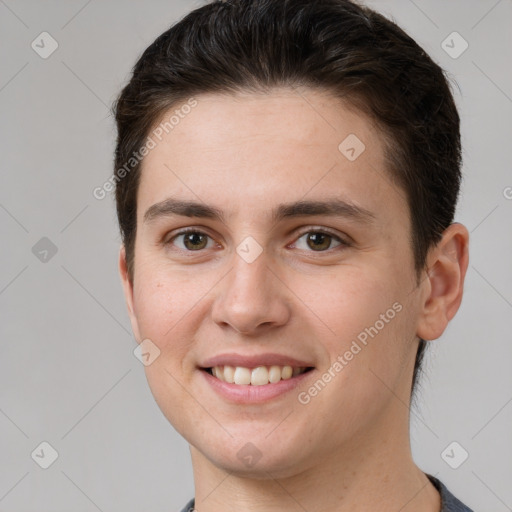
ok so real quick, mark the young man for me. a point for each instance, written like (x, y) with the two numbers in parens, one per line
(287, 174)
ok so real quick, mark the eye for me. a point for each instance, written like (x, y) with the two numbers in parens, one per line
(319, 240)
(193, 240)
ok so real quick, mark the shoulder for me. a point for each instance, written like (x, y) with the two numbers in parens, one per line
(189, 507)
(449, 503)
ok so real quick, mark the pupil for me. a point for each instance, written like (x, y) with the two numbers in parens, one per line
(193, 239)
(317, 239)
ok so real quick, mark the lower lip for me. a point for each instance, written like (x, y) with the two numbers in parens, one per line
(245, 394)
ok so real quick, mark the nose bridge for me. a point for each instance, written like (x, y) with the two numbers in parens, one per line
(249, 282)
(250, 275)
(251, 293)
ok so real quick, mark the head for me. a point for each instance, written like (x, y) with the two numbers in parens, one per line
(245, 106)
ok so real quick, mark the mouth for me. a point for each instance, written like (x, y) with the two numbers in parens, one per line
(256, 376)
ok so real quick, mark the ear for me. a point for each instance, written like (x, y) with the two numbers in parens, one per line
(128, 292)
(443, 286)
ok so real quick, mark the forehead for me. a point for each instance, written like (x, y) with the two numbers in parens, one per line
(249, 149)
(297, 116)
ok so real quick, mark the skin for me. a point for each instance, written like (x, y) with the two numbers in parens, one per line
(349, 447)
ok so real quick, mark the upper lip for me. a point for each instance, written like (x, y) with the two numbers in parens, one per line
(253, 361)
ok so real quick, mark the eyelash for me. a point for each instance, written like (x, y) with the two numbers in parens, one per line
(323, 231)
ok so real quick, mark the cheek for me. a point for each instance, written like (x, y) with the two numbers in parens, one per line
(154, 309)
(348, 301)
(164, 309)
(161, 298)
(163, 306)
(170, 305)
(364, 326)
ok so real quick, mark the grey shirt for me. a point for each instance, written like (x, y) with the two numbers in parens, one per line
(449, 503)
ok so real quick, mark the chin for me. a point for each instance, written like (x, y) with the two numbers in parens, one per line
(248, 461)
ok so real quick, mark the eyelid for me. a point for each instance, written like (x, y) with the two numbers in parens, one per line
(190, 229)
(343, 239)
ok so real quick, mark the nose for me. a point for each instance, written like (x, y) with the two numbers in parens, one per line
(252, 297)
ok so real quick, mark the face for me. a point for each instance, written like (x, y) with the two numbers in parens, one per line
(259, 280)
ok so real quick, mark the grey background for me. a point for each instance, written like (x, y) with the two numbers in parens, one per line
(68, 373)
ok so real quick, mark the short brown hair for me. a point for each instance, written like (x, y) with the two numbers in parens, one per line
(335, 45)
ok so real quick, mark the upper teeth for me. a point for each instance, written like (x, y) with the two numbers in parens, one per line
(255, 376)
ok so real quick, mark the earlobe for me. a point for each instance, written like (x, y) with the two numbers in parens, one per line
(447, 266)
(128, 291)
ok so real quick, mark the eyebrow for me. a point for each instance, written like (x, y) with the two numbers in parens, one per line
(331, 207)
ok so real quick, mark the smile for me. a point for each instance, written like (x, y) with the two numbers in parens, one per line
(258, 376)
(253, 384)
